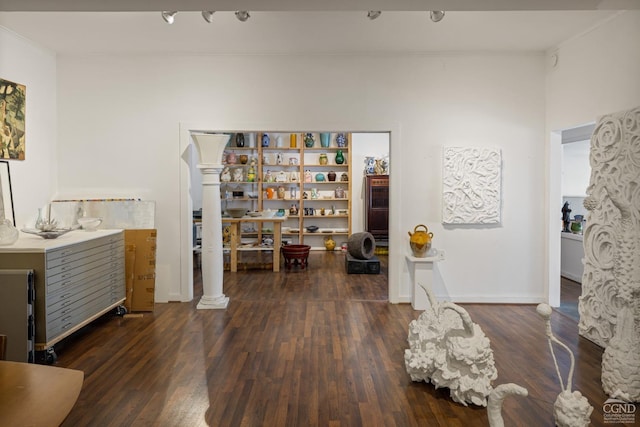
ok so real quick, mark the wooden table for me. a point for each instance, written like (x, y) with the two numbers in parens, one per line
(37, 395)
(235, 237)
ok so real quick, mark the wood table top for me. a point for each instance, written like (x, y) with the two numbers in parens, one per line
(37, 395)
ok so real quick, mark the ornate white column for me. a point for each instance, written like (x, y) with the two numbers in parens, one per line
(210, 150)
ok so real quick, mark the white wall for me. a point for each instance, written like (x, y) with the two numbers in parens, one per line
(119, 124)
(576, 170)
(596, 74)
(34, 179)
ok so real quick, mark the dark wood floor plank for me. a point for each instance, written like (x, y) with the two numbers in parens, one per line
(302, 348)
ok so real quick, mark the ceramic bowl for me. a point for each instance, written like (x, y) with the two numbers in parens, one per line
(312, 228)
(268, 213)
(254, 213)
(89, 224)
(236, 212)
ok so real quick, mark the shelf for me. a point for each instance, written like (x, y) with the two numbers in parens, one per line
(326, 200)
(315, 165)
(332, 148)
(284, 162)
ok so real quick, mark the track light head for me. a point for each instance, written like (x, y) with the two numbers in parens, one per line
(168, 17)
(242, 15)
(373, 14)
(436, 15)
(208, 15)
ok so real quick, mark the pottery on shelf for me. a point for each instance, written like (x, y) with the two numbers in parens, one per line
(323, 160)
(319, 177)
(341, 140)
(240, 139)
(325, 139)
(339, 157)
(243, 159)
(231, 158)
(309, 141)
(331, 176)
(265, 140)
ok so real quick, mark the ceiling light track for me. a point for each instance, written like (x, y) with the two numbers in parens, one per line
(169, 17)
(436, 15)
(207, 15)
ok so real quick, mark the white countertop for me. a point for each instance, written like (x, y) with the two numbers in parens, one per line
(572, 236)
(32, 243)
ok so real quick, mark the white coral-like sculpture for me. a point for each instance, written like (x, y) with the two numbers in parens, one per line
(497, 396)
(570, 409)
(449, 350)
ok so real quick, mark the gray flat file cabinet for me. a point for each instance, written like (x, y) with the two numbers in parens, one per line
(78, 277)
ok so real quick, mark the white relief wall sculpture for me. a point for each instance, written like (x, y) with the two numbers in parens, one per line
(471, 185)
(610, 303)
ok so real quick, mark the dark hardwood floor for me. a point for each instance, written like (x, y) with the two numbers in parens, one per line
(305, 348)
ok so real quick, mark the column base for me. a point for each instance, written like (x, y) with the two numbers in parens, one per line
(208, 303)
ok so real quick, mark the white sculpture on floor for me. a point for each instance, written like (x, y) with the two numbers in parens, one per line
(496, 397)
(449, 350)
(570, 409)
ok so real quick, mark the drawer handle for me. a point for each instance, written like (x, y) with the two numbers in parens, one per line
(65, 283)
(67, 326)
(64, 311)
(63, 260)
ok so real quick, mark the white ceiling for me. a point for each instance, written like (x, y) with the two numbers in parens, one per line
(290, 27)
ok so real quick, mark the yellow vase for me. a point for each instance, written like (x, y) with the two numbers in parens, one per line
(329, 244)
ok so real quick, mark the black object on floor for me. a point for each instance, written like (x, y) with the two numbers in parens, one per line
(362, 266)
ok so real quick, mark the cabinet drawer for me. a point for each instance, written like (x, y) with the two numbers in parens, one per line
(61, 279)
(68, 298)
(66, 319)
(76, 256)
(66, 284)
(71, 250)
(83, 262)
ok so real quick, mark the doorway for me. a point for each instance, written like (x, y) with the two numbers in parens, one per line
(363, 144)
(569, 178)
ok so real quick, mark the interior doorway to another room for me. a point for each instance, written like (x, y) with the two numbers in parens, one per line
(570, 152)
(364, 146)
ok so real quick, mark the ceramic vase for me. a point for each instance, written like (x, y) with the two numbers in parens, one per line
(240, 139)
(319, 177)
(331, 176)
(293, 140)
(341, 140)
(265, 140)
(329, 244)
(339, 157)
(308, 140)
(231, 158)
(323, 160)
(325, 139)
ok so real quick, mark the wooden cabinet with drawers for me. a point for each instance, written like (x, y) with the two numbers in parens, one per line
(78, 277)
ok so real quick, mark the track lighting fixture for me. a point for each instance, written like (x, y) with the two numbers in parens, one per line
(242, 15)
(373, 14)
(437, 15)
(208, 15)
(168, 17)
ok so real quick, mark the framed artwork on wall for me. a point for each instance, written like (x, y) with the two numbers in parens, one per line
(472, 178)
(13, 101)
(6, 197)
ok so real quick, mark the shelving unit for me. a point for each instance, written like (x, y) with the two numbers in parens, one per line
(288, 178)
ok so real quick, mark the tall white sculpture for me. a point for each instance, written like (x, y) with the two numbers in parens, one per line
(610, 302)
(210, 150)
(570, 409)
(449, 350)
